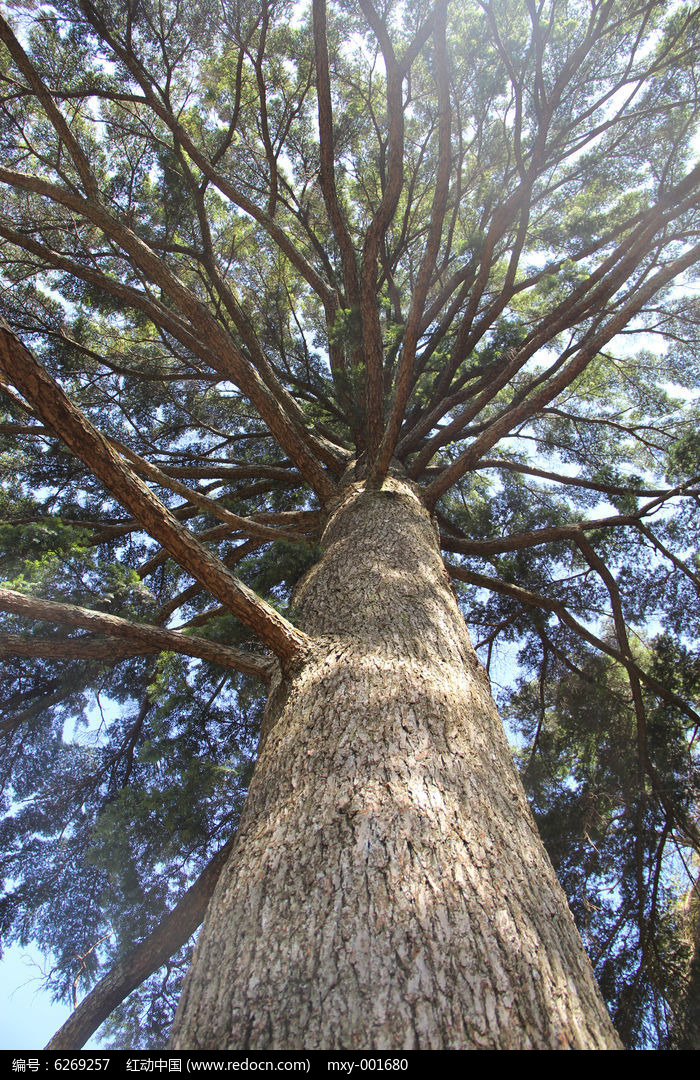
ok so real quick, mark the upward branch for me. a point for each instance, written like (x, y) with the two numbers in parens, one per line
(327, 155)
(404, 377)
(376, 231)
(529, 404)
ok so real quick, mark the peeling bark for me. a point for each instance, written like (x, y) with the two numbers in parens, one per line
(387, 888)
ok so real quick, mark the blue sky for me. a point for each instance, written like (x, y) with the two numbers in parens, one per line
(28, 1017)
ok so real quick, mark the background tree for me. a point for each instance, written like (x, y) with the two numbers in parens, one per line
(263, 260)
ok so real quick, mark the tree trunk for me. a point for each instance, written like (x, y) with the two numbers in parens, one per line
(687, 1035)
(388, 889)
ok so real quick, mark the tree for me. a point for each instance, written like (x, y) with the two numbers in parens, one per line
(608, 842)
(295, 299)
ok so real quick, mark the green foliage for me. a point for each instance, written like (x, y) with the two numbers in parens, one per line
(606, 835)
(570, 126)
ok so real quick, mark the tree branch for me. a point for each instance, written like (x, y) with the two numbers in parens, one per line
(546, 603)
(54, 114)
(56, 410)
(405, 373)
(327, 155)
(531, 403)
(275, 231)
(369, 312)
(574, 481)
(139, 638)
(150, 954)
(634, 674)
(274, 404)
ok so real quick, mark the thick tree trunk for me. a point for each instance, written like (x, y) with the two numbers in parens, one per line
(388, 889)
(687, 1035)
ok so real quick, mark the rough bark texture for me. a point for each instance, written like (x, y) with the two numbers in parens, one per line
(387, 889)
(688, 1038)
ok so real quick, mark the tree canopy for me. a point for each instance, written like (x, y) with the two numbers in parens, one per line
(245, 245)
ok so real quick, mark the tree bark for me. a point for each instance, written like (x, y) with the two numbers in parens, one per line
(387, 889)
(687, 1035)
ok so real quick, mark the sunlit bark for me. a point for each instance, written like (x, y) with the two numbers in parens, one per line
(388, 888)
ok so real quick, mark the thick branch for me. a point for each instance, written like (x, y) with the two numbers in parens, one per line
(140, 638)
(535, 537)
(54, 114)
(574, 530)
(405, 374)
(327, 155)
(274, 404)
(246, 526)
(56, 410)
(150, 954)
(65, 648)
(371, 329)
(588, 299)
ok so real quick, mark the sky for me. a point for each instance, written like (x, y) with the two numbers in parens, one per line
(28, 1017)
